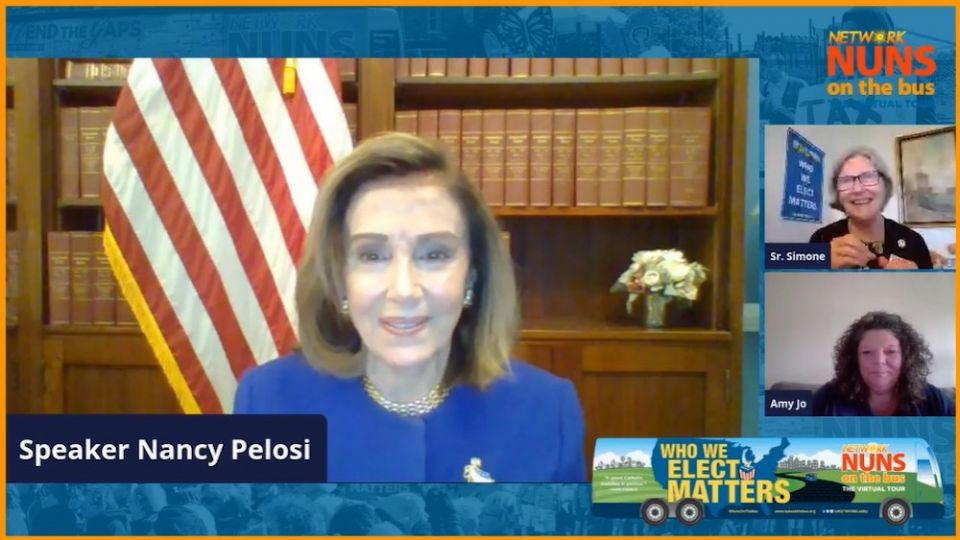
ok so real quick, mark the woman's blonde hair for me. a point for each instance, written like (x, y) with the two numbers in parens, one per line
(484, 336)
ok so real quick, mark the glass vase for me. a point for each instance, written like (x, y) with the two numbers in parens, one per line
(655, 315)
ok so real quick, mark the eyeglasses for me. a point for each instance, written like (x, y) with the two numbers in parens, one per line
(866, 178)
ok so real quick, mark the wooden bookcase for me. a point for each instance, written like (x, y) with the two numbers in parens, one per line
(631, 381)
(12, 343)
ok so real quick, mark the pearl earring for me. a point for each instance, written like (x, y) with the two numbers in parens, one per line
(344, 306)
(468, 298)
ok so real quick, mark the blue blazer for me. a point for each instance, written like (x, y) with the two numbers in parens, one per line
(525, 427)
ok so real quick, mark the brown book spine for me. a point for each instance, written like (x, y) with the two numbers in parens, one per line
(91, 152)
(541, 159)
(586, 67)
(402, 68)
(11, 155)
(477, 67)
(436, 67)
(611, 66)
(493, 160)
(563, 67)
(69, 146)
(564, 156)
(634, 66)
(81, 277)
(125, 315)
(418, 67)
(104, 287)
(689, 156)
(350, 111)
(405, 121)
(656, 66)
(124, 70)
(448, 131)
(517, 187)
(588, 157)
(59, 274)
(611, 157)
(519, 67)
(498, 67)
(471, 144)
(13, 278)
(678, 66)
(348, 69)
(541, 67)
(635, 156)
(90, 186)
(428, 123)
(658, 156)
(703, 65)
(456, 67)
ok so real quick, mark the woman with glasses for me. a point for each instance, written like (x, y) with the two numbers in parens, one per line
(861, 186)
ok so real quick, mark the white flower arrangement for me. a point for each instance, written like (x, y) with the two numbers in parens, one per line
(665, 272)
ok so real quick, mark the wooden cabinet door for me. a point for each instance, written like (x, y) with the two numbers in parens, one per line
(649, 389)
(81, 377)
(533, 353)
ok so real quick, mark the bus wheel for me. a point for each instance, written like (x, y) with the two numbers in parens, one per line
(895, 512)
(654, 512)
(690, 512)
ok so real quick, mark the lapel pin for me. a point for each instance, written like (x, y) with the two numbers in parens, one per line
(473, 474)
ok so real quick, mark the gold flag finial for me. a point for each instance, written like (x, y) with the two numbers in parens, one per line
(289, 76)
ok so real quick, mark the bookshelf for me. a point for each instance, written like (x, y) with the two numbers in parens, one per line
(566, 258)
(12, 244)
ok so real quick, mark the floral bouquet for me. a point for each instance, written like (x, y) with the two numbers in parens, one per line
(662, 272)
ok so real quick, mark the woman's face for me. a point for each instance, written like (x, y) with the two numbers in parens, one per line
(860, 202)
(879, 360)
(408, 263)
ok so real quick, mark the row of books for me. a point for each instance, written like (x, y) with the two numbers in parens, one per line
(99, 70)
(82, 134)
(13, 278)
(634, 156)
(87, 70)
(95, 70)
(550, 67)
(81, 283)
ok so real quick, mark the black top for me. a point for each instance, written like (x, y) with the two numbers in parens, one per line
(827, 401)
(897, 240)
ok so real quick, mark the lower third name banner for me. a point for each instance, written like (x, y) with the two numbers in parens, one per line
(166, 448)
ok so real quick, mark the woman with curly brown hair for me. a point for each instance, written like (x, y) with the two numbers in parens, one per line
(881, 365)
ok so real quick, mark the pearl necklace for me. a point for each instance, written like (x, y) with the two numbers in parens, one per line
(419, 407)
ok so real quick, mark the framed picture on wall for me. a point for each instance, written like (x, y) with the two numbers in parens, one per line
(927, 168)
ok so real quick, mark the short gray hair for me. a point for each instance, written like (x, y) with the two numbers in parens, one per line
(878, 164)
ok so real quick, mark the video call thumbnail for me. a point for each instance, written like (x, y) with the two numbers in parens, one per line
(855, 344)
(881, 197)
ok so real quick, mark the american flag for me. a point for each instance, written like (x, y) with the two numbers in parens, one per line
(211, 170)
(747, 474)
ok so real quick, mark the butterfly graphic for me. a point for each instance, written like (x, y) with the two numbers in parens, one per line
(522, 32)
